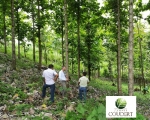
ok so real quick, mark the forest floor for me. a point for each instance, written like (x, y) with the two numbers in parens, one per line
(20, 97)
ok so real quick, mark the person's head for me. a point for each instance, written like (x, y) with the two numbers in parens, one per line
(63, 68)
(51, 66)
(84, 73)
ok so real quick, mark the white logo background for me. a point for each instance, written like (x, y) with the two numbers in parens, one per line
(111, 107)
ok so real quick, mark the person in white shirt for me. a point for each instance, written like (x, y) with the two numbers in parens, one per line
(83, 81)
(63, 79)
(49, 78)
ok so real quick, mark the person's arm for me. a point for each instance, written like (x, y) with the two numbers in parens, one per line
(88, 81)
(43, 80)
(79, 82)
(43, 77)
(67, 78)
(55, 78)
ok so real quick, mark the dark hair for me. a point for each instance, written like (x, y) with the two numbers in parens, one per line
(84, 73)
(51, 66)
(63, 66)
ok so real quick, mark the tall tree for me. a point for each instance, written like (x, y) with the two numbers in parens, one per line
(13, 36)
(141, 58)
(4, 23)
(39, 36)
(78, 32)
(62, 38)
(130, 64)
(66, 38)
(18, 28)
(119, 52)
(33, 29)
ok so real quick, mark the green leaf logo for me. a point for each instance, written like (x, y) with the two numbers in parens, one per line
(121, 103)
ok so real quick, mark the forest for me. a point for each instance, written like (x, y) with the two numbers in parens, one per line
(109, 39)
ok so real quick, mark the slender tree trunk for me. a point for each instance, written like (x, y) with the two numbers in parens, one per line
(62, 38)
(130, 66)
(18, 30)
(119, 84)
(141, 59)
(39, 37)
(78, 31)
(89, 50)
(141, 64)
(4, 27)
(72, 60)
(13, 36)
(45, 54)
(24, 49)
(89, 59)
(66, 37)
(99, 70)
(33, 36)
(110, 70)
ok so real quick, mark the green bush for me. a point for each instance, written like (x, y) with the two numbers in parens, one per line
(106, 73)
(19, 108)
(91, 110)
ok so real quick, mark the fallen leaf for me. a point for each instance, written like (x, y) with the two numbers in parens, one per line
(31, 111)
(15, 96)
(43, 106)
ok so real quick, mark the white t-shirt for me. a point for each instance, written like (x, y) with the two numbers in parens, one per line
(49, 75)
(62, 76)
(83, 81)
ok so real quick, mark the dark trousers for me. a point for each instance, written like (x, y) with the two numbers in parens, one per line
(82, 93)
(52, 91)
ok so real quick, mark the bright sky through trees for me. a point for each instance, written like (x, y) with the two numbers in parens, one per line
(144, 14)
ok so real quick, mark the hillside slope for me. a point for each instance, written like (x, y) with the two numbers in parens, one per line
(20, 96)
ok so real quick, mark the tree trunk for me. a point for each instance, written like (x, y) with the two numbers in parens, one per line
(24, 49)
(141, 64)
(39, 37)
(98, 70)
(141, 59)
(13, 36)
(130, 66)
(18, 30)
(33, 36)
(62, 39)
(89, 59)
(110, 70)
(45, 54)
(119, 85)
(4, 27)
(78, 31)
(66, 38)
(72, 62)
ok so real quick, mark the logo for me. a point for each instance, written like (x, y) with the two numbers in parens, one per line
(120, 106)
(120, 103)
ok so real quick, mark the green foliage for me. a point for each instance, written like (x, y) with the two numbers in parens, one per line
(24, 64)
(22, 107)
(60, 105)
(96, 111)
(41, 117)
(22, 95)
(106, 73)
(7, 92)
